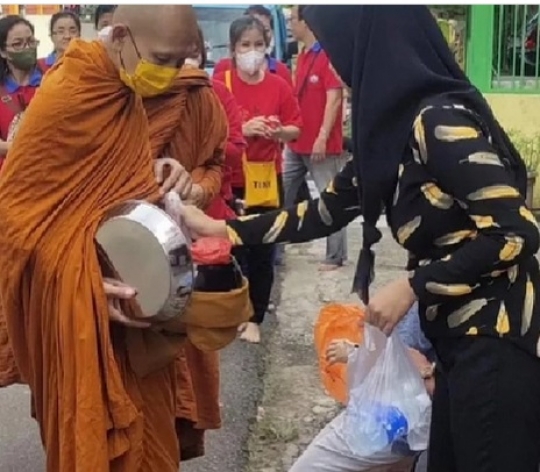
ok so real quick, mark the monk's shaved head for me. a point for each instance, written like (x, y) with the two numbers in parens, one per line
(160, 34)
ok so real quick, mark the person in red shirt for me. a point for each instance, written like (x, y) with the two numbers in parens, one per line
(270, 116)
(19, 75)
(319, 149)
(221, 208)
(63, 27)
(272, 65)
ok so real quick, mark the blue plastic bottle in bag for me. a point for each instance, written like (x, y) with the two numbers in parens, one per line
(378, 427)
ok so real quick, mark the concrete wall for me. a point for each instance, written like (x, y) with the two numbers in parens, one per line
(520, 112)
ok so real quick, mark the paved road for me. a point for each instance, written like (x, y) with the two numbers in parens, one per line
(242, 367)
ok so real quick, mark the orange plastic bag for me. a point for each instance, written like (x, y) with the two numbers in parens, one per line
(337, 321)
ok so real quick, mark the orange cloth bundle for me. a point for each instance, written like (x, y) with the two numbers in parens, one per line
(337, 321)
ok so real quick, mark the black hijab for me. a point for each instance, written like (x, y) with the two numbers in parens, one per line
(393, 58)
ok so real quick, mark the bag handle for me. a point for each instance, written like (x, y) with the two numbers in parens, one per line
(228, 80)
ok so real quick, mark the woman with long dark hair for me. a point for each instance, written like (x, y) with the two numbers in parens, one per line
(19, 75)
(428, 149)
(63, 27)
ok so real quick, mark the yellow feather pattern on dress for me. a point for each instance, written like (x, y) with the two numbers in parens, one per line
(436, 197)
(466, 312)
(451, 134)
(301, 210)
(512, 248)
(330, 188)
(483, 158)
(472, 331)
(420, 137)
(503, 322)
(234, 237)
(431, 312)
(453, 290)
(492, 192)
(484, 222)
(513, 274)
(277, 228)
(325, 215)
(246, 217)
(406, 231)
(528, 306)
(455, 237)
(527, 214)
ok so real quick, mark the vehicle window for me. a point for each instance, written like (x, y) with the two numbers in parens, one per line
(215, 22)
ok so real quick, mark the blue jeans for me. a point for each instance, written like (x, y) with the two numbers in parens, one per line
(296, 167)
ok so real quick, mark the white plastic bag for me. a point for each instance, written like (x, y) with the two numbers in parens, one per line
(389, 407)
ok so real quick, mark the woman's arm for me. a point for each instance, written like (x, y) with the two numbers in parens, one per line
(336, 208)
(462, 161)
(289, 133)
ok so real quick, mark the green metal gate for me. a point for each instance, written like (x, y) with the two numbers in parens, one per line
(503, 49)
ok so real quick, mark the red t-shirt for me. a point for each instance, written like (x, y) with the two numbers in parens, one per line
(270, 97)
(313, 79)
(274, 67)
(236, 145)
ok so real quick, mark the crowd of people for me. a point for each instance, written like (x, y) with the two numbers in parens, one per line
(133, 115)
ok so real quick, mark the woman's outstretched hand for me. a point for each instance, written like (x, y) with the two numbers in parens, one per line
(201, 225)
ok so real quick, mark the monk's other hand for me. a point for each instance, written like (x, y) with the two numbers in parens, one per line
(179, 179)
(390, 304)
(116, 291)
(196, 197)
(201, 225)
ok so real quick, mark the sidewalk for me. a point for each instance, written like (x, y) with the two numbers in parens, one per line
(294, 407)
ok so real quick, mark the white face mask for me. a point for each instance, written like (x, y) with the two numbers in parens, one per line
(104, 33)
(250, 62)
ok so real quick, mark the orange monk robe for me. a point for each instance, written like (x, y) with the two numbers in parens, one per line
(9, 374)
(82, 149)
(190, 125)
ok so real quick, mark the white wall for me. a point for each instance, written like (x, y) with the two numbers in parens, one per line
(41, 25)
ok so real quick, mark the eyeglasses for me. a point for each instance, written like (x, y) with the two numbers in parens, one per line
(19, 45)
(69, 32)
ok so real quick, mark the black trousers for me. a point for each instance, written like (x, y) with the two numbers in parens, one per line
(257, 263)
(486, 407)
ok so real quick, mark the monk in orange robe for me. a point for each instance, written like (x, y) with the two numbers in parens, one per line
(82, 149)
(189, 125)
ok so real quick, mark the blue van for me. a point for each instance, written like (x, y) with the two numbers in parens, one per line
(215, 21)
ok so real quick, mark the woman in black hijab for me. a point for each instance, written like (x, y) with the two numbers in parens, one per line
(428, 148)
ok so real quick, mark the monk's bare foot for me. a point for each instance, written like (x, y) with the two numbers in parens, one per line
(252, 333)
(329, 267)
(242, 327)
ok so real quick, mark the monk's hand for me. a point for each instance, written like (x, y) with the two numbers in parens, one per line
(116, 291)
(196, 197)
(200, 224)
(179, 179)
(390, 304)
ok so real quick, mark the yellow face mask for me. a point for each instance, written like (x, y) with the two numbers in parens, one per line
(149, 79)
